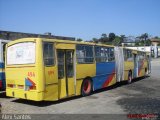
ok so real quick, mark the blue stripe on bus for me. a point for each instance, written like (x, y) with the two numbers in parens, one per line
(2, 78)
(3, 84)
(135, 72)
(103, 71)
(2, 75)
(0, 84)
(1, 65)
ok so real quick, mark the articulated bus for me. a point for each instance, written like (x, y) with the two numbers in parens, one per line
(42, 69)
(2, 71)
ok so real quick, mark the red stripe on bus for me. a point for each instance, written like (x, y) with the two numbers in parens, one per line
(31, 81)
(109, 79)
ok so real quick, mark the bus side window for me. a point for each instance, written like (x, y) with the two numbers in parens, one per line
(89, 54)
(84, 54)
(48, 53)
(101, 54)
(80, 53)
(111, 54)
(128, 56)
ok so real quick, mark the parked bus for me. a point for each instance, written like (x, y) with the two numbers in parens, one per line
(49, 69)
(131, 63)
(2, 72)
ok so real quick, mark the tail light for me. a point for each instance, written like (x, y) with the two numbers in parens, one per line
(21, 86)
(32, 87)
(11, 85)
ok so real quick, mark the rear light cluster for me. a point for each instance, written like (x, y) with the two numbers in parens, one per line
(21, 86)
(27, 88)
(11, 85)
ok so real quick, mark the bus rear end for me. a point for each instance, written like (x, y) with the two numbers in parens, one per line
(2, 76)
(0, 84)
(22, 76)
(2, 79)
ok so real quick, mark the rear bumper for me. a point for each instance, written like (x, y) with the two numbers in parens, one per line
(28, 95)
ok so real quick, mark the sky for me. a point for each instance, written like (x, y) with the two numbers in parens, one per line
(84, 19)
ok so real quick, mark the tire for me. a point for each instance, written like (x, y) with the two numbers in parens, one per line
(129, 77)
(86, 88)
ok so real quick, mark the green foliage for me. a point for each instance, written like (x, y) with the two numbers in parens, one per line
(148, 42)
(111, 37)
(104, 38)
(111, 40)
(104, 35)
(95, 40)
(117, 41)
(137, 43)
(144, 36)
(79, 39)
(108, 43)
(156, 37)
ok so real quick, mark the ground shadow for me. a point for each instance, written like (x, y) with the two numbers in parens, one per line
(44, 103)
(3, 94)
(147, 101)
(48, 103)
(120, 84)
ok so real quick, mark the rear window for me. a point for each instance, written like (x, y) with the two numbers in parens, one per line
(21, 53)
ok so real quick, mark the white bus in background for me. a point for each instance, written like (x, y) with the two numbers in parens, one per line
(142, 48)
(153, 50)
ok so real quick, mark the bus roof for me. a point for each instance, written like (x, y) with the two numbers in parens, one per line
(56, 40)
(66, 41)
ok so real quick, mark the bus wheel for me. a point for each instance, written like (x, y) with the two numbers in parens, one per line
(129, 77)
(86, 88)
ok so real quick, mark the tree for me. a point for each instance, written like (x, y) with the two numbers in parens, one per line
(111, 37)
(144, 37)
(104, 35)
(79, 39)
(95, 40)
(148, 42)
(104, 38)
(122, 38)
(156, 37)
(117, 41)
(136, 43)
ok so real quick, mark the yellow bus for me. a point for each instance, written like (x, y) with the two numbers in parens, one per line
(42, 69)
(131, 64)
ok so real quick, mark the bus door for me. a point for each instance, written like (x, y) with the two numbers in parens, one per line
(66, 79)
(135, 66)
